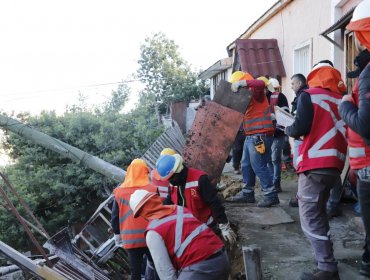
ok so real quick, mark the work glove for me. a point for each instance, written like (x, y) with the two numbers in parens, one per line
(235, 86)
(117, 239)
(227, 233)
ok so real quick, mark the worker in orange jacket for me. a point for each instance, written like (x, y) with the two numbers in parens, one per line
(320, 161)
(355, 111)
(129, 232)
(259, 131)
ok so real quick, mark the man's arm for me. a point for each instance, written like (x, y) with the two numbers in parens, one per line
(358, 118)
(115, 218)
(283, 102)
(303, 119)
(208, 192)
(161, 259)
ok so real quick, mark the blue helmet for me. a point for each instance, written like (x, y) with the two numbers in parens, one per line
(167, 165)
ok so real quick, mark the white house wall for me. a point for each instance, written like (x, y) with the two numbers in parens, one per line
(299, 22)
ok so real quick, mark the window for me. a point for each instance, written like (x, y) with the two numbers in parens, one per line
(303, 58)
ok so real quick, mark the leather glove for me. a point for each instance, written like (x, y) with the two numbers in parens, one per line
(117, 239)
(235, 86)
(227, 233)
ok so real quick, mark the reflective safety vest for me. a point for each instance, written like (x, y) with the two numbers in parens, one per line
(257, 118)
(131, 229)
(325, 146)
(162, 186)
(358, 151)
(187, 240)
(192, 197)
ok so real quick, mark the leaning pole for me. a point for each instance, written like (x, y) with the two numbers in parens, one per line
(26, 131)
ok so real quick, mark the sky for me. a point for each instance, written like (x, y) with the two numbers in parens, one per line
(52, 51)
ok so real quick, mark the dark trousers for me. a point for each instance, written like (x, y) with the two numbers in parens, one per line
(363, 192)
(237, 149)
(286, 150)
(313, 194)
(135, 258)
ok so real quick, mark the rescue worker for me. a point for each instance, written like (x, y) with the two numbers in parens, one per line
(277, 98)
(129, 232)
(355, 111)
(259, 131)
(181, 246)
(320, 160)
(298, 85)
(191, 188)
(162, 185)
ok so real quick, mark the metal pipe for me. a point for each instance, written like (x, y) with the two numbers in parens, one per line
(28, 231)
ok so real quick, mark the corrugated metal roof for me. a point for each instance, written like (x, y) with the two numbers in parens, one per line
(260, 57)
(216, 68)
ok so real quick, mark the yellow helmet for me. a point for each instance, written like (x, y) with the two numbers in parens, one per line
(168, 151)
(267, 83)
(236, 76)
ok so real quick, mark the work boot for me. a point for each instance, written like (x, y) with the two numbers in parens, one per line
(365, 269)
(293, 202)
(333, 212)
(321, 275)
(243, 197)
(268, 202)
(237, 171)
(365, 263)
(278, 188)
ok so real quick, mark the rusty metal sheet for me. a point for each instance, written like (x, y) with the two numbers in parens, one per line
(211, 137)
(237, 101)
(214, 129)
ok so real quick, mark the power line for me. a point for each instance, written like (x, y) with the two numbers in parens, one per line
(70, 88)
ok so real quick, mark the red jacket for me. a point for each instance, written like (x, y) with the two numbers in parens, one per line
(358, 151)
(131, 229)
(194, 201)
(195, 241)
(325, 146)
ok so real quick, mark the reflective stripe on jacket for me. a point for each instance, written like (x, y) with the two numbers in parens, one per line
(358, 151)
(192, 197)
(325, 146)
(257, 118)
(131, 229)
(162, 186)
(188, 241)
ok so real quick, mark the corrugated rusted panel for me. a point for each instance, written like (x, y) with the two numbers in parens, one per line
(214, 129)
(260, 57)
(211, 137)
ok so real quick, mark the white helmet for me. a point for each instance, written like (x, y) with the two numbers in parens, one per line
(274, 82)
(362, 11)
(138, 199)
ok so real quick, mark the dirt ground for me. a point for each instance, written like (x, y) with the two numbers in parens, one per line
(285, 251)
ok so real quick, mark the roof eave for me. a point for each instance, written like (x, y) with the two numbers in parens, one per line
(276, 8)
(216, 68)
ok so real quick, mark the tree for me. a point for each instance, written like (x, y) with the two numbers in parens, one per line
(166, 75)
(58, 190)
